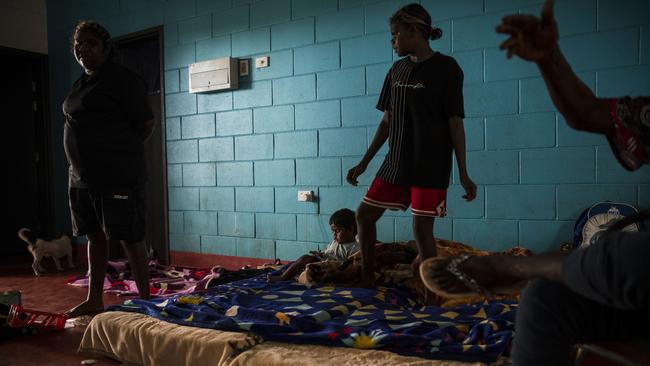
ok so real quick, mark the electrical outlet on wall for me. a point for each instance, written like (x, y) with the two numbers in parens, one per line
(305, 196)
(261, 62)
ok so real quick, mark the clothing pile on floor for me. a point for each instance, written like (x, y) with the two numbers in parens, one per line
(168, 280)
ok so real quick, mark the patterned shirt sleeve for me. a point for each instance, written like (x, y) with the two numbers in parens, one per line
(630, 138)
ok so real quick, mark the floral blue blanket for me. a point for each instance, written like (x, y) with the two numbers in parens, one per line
(382, 318)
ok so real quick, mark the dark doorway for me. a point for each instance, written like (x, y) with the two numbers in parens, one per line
(142, 52)
(26, 125)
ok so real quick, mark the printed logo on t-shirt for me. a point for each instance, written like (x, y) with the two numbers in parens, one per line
(399, 84)
(121, 197)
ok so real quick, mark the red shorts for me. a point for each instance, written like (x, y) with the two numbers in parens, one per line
(423, 201)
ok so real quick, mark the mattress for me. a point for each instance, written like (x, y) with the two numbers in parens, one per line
(138, 339)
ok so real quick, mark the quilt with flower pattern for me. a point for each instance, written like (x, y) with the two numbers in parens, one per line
(384, 318)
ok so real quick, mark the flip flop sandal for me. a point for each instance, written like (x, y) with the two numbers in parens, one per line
(474, 286)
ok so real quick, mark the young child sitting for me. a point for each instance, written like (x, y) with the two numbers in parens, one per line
(344, 230)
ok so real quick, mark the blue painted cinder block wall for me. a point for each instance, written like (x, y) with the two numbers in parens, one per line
(237, 158)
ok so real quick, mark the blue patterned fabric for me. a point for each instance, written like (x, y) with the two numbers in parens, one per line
(382, 318)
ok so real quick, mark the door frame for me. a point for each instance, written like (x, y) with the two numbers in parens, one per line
(42, 135)
(158, 32)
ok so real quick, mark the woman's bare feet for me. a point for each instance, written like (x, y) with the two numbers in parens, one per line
(489, 272)
(85, 308)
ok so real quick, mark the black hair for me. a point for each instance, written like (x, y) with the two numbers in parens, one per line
(417, 16)
(344, 218)
(98, 30)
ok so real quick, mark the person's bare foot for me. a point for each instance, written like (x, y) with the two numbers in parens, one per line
(85, 308)
(489, 273)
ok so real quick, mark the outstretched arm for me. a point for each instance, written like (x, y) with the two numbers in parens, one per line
(612, 271)
(380, 137)
(536, 39)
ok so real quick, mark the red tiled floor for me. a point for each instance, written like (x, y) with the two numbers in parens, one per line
(46, 293)
(50, 293)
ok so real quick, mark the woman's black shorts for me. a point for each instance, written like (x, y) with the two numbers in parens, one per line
(120, 213)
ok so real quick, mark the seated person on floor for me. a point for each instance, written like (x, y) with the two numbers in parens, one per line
(344, 243)
(597, 293)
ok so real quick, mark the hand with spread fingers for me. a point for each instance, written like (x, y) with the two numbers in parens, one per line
(531, 38)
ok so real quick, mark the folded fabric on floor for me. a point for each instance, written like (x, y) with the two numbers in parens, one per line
(384, 318)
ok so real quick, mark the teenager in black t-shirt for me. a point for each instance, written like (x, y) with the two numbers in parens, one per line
(422, 101)
(107, 120)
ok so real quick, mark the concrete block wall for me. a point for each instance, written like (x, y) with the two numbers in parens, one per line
(238, 158)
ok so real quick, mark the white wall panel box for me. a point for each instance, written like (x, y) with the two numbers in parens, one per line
(211, 75)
